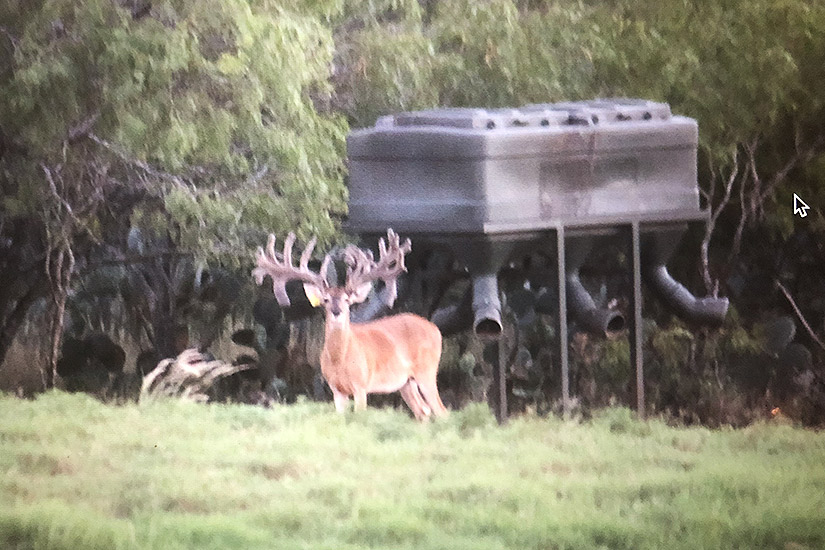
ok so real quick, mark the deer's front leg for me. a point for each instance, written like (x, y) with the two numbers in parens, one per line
(341, 401)
(360, 396)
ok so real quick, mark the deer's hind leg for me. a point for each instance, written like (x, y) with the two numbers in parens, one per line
(426, 379)
(360, 397)
(429, 391)
(412, 397)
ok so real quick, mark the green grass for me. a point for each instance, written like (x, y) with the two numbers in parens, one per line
(79, 474)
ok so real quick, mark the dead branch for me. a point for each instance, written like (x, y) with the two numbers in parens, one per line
(710, 194)
(13, 40)
(56, 194)
(799, 315)
(744, 213)
(753, 192)
(711, 225)
(59, 284)
(189, 376)
(143, 166)
(131, 259)
(82, 129)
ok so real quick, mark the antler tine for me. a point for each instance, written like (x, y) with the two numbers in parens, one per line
(359, 262)
(393, 239)
(288, 242)
(362, 267)
(393, 252)
(307, 254)
(324, 269)
(270, 246)
(262, 256)
(391, 263)
(280, 269)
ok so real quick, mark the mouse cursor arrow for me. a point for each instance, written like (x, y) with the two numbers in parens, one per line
(799, 206)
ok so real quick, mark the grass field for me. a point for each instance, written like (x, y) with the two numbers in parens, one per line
(79, 474)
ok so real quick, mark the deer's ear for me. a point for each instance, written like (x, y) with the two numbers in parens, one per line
(314, 294)
(360, 294)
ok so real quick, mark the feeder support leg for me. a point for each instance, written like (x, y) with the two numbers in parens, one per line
(637, 328)
(563, 344)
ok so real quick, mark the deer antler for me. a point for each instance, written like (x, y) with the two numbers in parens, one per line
(362, 268)
(280, 269)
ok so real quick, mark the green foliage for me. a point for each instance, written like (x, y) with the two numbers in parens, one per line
(752, 64)
(672, 346)
(620, 420)
(653, 52)
(240, 96)
(734, 374)
(177, 475)
(462, 53)
(386, 70)
(219, 95)
(236, 95)
(614, 368)
(473, 418)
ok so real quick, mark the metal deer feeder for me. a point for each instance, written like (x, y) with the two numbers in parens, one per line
(491, 186)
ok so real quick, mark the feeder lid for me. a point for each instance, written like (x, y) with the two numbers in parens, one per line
(573, 113)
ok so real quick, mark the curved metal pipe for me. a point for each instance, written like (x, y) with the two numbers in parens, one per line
(486, 305)
(580, 303)
(707, 310)
(594, 319)
(657, 248)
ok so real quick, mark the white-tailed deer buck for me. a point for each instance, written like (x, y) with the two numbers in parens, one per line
(396, 353)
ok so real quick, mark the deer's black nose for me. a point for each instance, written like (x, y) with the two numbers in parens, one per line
(335, 309)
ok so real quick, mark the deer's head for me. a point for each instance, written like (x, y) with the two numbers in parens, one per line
(362, 271)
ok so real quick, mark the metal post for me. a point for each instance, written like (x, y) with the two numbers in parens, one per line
(494, 353)
(637, 327)
(563, 345)
(502, 383)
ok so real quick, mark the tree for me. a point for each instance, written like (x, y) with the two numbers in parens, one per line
(199, 114)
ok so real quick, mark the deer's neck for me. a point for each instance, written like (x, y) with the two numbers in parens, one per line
(338, 341)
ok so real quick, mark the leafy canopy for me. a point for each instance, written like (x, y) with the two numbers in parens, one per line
(209, 103)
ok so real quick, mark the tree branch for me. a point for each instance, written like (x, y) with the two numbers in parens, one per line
(139, 258)
(83, 128)
(144, 166)
(710, 286)
(745, 213)
(802, 156)
(53, 187)
(799, 315)
(15, 42)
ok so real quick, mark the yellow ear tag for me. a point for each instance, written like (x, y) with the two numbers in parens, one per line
(314, 299)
